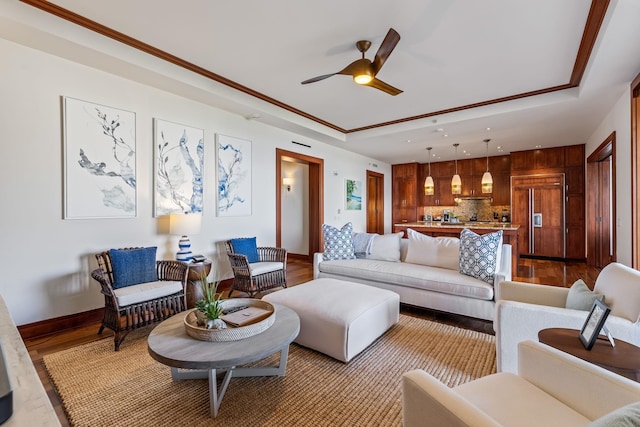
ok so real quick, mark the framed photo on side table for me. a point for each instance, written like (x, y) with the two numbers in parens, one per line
(594, 323)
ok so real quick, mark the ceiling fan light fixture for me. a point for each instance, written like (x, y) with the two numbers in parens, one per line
(363, 77)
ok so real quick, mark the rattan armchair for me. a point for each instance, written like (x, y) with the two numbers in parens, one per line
(123, 318)
(252, 278)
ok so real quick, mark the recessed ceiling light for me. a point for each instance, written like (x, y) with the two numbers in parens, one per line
(445, 135)
(408, 140)
(488, 128)
(538, 146)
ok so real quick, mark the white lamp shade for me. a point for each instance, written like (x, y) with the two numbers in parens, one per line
(456, 184)
(184, 224)
(487, 182)
(429, 186)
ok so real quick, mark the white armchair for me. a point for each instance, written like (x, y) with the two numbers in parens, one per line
(552, 389)
(523, 309)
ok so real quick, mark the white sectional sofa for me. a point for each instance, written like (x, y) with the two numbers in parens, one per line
(439, 286)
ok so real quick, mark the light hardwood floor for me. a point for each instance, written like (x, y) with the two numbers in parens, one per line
(552, 273)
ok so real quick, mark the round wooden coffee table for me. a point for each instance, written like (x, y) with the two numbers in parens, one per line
(190, 358)
(623, 359)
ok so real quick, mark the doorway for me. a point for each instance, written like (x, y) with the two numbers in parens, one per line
(375, 202)
(601, 204)
(315, 193)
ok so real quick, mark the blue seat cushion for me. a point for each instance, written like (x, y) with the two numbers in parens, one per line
(246, 246)
(133, 266)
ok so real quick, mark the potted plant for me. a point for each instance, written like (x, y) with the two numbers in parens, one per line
(209, 308)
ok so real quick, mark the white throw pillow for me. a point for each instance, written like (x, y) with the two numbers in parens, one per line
(386, 247)
(443, 252)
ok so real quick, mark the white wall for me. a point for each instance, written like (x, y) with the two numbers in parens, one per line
(295, 209)
(618, 120)
(45, 260)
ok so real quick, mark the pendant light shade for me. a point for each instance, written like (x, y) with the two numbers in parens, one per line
(487, 179)
(429, 186)
(456, 182)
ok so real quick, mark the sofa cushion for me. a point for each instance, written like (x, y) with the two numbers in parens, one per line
(362, 244)
(386, 247)
(146, 292)
(479, 254)
(627, 416)
(416, 276)
(133, 266)
(441, 252)
(580, 297)
(338, 243)
(246, 246)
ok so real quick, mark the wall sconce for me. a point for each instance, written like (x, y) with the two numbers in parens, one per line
(287, 182)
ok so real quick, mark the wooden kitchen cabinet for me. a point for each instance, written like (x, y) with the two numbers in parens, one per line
(405, 192)
(570, 162)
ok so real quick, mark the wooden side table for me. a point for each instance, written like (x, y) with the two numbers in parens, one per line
(623, 359)
(196, 271)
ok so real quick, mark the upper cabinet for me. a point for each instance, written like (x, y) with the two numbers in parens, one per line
(470, 171)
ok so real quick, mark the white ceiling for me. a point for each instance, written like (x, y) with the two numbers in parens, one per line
(452, 53)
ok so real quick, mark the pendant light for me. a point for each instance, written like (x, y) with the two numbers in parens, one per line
(456, 182)
(487, 179)
(429, 187)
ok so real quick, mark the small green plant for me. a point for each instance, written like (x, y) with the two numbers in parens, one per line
(210, 304)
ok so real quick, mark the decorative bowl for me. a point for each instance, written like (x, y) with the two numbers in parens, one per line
(231, 333)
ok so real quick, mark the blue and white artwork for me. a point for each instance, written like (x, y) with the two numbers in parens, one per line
(234, 176)
(353, 192)
(99, 161)
(179, 160)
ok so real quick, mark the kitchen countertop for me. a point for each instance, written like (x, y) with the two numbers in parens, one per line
(470, 224)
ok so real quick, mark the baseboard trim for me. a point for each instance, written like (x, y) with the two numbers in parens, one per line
(58, 324)
(71, 321)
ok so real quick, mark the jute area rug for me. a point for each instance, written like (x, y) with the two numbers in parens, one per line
(100, 387)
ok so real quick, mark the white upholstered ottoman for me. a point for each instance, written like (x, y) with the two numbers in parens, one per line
(339, 318)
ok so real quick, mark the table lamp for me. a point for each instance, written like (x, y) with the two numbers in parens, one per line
(182, 225)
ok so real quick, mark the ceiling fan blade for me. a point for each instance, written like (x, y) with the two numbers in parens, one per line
(317, 79)
(379, 84)
(388, 44)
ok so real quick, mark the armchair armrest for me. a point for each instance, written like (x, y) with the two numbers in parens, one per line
(425, 398)
(172, 270)
(317, 259)
(270, 254)
(587, 388)
(105, 284)
(553, 296)
(239, 265)
(517, 321)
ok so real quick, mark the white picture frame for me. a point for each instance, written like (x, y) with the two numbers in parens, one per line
(100, 178)
(233, 158)
(178, 168)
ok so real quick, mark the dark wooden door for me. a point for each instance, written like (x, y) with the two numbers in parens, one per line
(520, 215)
(375, 202)
(601, 204)
(549, 234)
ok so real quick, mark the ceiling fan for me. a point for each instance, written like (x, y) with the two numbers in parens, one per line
(363, 70)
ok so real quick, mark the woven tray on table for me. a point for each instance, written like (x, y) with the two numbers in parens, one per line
(230, 333)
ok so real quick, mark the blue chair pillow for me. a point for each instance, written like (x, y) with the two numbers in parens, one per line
(246, 246)
(133, 266)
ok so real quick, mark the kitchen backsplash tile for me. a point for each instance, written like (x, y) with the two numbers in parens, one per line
(466, 208)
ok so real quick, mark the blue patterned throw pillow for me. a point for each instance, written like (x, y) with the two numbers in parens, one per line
(479, 254)
(338, 244)
(133, 266)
